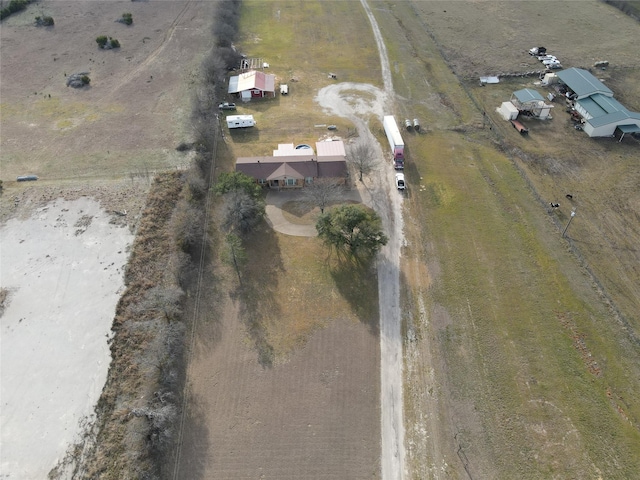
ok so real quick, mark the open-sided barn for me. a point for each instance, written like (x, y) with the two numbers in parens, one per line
(531, 102)
(603, 115)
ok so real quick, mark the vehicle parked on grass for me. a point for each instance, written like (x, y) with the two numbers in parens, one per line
(227, 106)
(519, 127)
(535, 51)
(240, 121)
(400, 181)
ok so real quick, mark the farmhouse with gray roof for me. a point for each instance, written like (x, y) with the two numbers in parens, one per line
(603, 115)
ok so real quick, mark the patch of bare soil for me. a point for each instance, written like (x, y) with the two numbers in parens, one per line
(302, 418)
(122, 200)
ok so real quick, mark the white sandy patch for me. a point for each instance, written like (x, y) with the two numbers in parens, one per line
(64, 270)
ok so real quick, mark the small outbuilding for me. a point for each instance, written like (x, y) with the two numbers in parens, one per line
(253, 84)
(530, 102)
(508, 111)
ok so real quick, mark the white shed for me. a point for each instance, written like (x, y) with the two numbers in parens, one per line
(507, 111)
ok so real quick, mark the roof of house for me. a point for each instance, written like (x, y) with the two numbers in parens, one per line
(333, 148)
(528, 95)
(251, 81)
(302, 163)
(583, 83)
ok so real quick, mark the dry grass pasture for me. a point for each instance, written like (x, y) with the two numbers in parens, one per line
(131, 116)
(521, 344)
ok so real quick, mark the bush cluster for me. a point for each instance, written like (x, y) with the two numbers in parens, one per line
(107, 43)
(126, 18)
(45, 21)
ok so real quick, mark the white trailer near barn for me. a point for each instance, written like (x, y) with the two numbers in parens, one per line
(240, 121)
(508, 111)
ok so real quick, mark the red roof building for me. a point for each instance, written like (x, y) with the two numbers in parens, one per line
(252, 84)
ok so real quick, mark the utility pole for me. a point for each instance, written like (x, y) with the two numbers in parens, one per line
(573, 214)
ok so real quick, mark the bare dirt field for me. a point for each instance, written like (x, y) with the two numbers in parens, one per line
(62, 271)
(131, 116)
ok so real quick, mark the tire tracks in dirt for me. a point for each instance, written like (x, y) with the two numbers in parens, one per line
(150, 58)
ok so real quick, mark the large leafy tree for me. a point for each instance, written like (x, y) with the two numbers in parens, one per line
(354, 232)
(237, 181)
(243, 204)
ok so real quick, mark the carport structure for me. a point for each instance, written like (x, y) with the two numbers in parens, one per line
(530, 102)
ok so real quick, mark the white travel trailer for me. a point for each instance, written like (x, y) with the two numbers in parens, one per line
(240, 121)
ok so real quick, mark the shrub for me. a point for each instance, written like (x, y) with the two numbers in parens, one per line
(85, 80)
(102, 41)
(45, 21)
(127, 18)
(107, 42)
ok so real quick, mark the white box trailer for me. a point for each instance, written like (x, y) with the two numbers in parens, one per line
(240, 121)
(395, 141)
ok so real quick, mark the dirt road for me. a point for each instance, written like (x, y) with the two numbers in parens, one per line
(378, 191)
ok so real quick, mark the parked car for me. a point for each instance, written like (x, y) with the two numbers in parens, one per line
(227, 106)
(535, 51)
(400, 181)
(554, 66)
(550, 62)
(547, 57)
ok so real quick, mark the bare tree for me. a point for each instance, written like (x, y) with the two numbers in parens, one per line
(242, 212)
(361, 156)
(322, 192)
(234, 254)
(187, 221)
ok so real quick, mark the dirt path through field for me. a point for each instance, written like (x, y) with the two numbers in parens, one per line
(378, 191)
